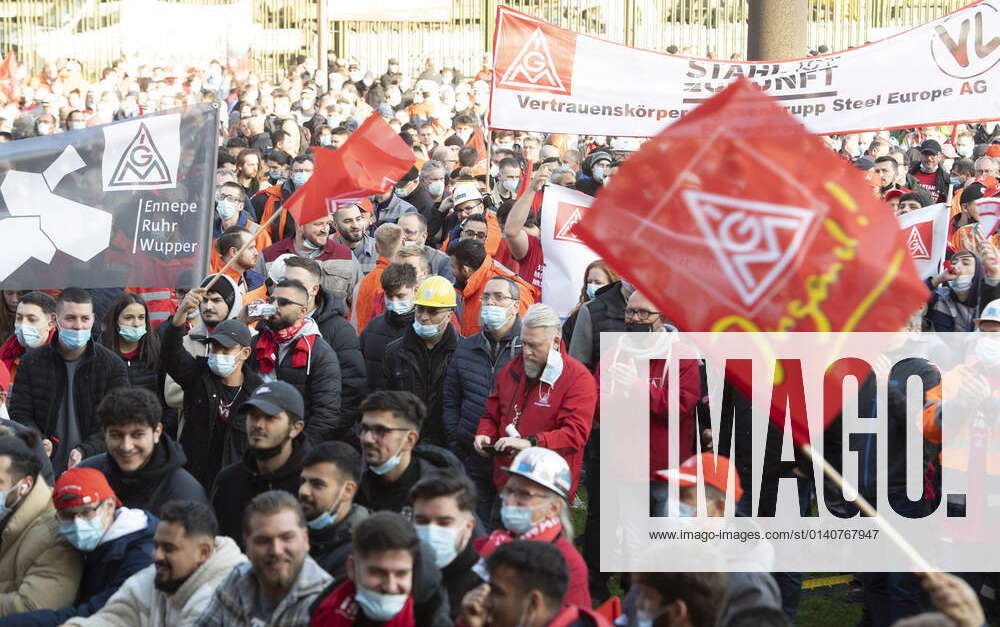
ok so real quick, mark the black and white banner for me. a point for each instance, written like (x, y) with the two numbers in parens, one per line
(124, 204)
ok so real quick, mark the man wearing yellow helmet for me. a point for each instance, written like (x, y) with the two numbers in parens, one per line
(418, 361)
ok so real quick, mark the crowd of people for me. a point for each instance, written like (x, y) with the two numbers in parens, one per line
(373, 419)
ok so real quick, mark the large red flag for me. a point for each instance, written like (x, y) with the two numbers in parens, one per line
(370, 162)
(737, 219)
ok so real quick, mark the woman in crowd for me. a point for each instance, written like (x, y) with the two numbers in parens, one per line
(127, 334)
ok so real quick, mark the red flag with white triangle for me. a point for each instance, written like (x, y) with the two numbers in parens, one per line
(737, 219)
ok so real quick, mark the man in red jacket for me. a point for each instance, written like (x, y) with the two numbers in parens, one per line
(543, 397)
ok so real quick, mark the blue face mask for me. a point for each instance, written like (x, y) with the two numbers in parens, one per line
(28, 336)
(327, 518)
(377, 606)
(592, 290)
(221, 365)
(399, 307)
(493, 317)
(426, 331)
(956, 182)
(74, 339)
(400, 193)
(299, 178)
(83, 533)
(516, 518)
(132, 334)
(4, 510)
(442, 540)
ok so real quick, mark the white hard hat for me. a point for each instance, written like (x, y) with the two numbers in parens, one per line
(465, 192)
(991, 312)
(545, 467)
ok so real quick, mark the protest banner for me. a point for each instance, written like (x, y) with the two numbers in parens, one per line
(926, 232)
(128, 203)
(566, 256)
(371, 161)
(551, 79)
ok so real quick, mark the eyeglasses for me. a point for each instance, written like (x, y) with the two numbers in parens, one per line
(642, 315)
(281, 301)
(68, 516)
(520, 495)
(229, 197)
(495, 298)
(378, 431)
(470, 234)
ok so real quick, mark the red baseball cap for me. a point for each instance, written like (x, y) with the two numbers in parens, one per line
(714, 470)
(82, 486)
(896, 193)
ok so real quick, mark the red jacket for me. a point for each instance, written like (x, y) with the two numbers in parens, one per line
(560, 416)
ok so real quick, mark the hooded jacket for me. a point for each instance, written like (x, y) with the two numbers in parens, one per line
(38, 568)
(330, 316)
(162, 479)
(236, 597)
(318, 381)
(331, 545)
(377, 335)
(469, 383)
(945, 312)
(941, 181)
(410, 366)
(377, 493)
(238, 483)
(209, 442)
(36, 399)
(139, 602)
(127, 550)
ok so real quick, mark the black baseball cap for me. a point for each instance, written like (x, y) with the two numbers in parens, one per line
(230, 333)
(932, 146)
(275, 397)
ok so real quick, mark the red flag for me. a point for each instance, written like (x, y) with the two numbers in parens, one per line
(8, 80)
(478, 141)
(737, 219)
(370, 162)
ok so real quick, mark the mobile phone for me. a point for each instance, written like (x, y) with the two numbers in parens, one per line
(489, 448)
(260, 310)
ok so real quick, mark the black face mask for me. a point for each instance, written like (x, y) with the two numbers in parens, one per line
(639, 327)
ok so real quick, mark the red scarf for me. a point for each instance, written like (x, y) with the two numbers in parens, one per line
(12, 350)
(339, 609)
(288, 333)
(547, 530)
(266, 350)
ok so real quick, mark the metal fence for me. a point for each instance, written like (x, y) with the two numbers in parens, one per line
(91, 30)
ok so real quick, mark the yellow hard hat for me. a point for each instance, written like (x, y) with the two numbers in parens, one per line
(436, 291)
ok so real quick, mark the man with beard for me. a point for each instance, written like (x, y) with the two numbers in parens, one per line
(341, 272)
(543, 398)
(290, 348)
(189, 561)
(273, 459)
(351, 223)
(281, 581)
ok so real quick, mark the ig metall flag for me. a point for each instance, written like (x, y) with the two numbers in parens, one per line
(124, 204)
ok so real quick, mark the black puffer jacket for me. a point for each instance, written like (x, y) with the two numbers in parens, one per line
(378, 494)
(469, 383)
(41, 384)
(378, 333)
(318, 382)
(139, 376)
(209, 442)
(343, 339)
(331, 546)
(459, 576)
(162, 479)
(409, 366)
(238, 483)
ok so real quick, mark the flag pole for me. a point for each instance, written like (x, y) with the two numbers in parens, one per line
(866, 507)
(250, 242)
